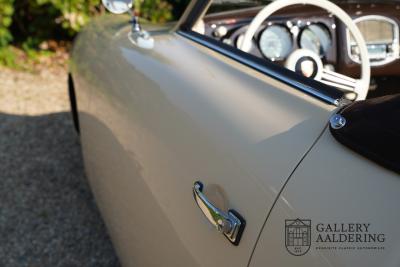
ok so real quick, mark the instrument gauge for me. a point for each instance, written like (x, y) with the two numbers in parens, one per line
(275, 42)
(316, 38)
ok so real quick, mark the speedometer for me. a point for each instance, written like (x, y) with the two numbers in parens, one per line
(316, 38)
(275, 42)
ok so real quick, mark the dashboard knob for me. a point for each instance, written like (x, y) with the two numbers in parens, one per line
(220, 31)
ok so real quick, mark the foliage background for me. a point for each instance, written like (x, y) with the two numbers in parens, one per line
(33, 28)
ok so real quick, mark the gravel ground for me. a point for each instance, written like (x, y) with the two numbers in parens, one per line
(47, 213)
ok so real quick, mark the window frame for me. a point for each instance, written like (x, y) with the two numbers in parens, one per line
(323, 92)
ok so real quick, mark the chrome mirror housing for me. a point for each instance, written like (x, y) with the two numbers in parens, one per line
(118, 6)
(137, 36)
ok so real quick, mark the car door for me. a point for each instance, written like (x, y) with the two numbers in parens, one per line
(161, 119)
(358, 191)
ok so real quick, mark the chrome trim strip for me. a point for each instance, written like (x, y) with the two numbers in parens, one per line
(395, 41)
(264, 69)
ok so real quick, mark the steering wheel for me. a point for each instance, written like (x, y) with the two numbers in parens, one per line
(297, 59)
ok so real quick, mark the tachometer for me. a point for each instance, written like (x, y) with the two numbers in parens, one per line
(275, 42)
(316, 38)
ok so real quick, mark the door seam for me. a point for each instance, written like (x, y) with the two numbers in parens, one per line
(281, 190)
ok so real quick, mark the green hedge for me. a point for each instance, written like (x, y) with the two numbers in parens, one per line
(27, 23)
(31, 21)
(6, 12)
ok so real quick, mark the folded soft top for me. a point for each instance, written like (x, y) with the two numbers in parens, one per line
(372, 129)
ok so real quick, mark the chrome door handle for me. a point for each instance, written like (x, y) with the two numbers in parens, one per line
(230, 224)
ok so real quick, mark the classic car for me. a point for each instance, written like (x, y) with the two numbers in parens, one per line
(248, 133)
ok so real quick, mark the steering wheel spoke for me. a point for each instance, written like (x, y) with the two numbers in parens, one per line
(338, 80)
(357, 87)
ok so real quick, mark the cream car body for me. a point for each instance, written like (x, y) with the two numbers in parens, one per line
(154, 121)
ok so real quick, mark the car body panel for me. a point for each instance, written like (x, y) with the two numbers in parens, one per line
(155, 121)
(333, 184)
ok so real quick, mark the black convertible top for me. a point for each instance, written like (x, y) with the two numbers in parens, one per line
(372, 129)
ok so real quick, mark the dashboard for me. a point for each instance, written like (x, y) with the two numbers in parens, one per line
(314, 29)
(381, 35)
(276, 39)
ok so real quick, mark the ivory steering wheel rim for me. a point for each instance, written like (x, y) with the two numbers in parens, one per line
(361, 85)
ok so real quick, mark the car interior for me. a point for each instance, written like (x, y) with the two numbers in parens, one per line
(318, 43)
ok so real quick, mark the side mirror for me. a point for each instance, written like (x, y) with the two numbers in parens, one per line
(118, 6)
(137, 36)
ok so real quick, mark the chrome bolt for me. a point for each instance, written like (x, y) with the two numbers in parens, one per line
(221, 31)
(337, 121)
